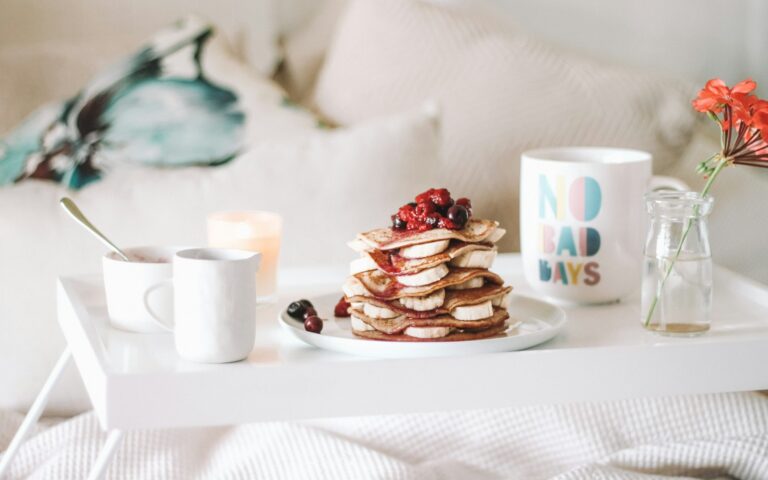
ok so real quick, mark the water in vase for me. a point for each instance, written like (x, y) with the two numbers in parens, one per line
(684, 303)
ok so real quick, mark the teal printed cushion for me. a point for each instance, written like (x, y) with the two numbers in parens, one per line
(158, 107)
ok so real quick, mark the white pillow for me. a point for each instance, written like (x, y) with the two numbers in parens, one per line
(500, 92)
(327, 184)
(303, 50)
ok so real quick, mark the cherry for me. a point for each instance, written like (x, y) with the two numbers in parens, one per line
(309, 312)
(313, 324)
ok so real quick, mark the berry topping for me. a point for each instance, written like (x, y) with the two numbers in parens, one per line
(433, 220)
(313, 324)
(342, 308)
(459, 215)
(433, 209)
(447, 223)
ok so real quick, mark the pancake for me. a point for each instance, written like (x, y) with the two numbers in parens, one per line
(399, 324)
(456, 336)
(453, 299)
(476, 231)
(393, 264)
(376, 283)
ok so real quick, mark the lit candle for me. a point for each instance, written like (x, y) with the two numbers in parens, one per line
(255, 231)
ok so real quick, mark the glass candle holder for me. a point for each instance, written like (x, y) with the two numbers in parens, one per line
(677, 278)
(256, 231)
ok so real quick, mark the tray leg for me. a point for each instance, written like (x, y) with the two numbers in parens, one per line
(34, 413)
(99, 468)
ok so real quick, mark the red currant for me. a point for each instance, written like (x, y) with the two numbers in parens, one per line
(313, 324)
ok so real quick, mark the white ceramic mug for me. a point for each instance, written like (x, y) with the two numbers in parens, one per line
(582, 220)
(214, 304)
(126, 283)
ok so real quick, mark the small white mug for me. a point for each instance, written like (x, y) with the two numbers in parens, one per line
(582, 220)
(126, 283)
(214, 304)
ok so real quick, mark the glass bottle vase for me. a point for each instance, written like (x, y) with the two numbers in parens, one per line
(677, 273)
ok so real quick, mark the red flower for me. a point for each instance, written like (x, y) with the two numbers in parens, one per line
(760, 117)
(743, 119)
(716, 95)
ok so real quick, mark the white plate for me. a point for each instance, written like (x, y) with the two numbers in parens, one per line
(538, 321)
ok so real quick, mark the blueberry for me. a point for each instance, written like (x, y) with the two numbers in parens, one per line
(459, 215)
(306, 303)
(398, 223)
(296, 310)
(432, 220)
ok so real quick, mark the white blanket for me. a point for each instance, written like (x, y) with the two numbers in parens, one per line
(712, 436)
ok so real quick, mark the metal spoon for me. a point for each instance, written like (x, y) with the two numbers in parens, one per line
(75, 213)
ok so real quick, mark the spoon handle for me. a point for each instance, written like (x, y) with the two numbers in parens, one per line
(75, 212)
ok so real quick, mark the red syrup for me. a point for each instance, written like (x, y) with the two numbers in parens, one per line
(388, 261)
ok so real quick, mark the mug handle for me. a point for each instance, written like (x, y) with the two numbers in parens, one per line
(660, 182)
(165, 325)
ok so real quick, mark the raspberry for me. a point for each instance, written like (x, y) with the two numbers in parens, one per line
(441, 197)
(446, 223)
(405, 213)
(423, 210)
(425, 196)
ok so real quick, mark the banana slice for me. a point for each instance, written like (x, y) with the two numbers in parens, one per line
(473, 312)
(424, 249)
(362, 264)
(424, 277)
(496, 235)
(359, 325)
(358, 245)
(427, 332)
(502, 301)
(423, 304)
(353, 288)
(476, 282)
(475, 259)
(378, 312)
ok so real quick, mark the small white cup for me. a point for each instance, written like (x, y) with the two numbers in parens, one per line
(126, 283)
(214, 304)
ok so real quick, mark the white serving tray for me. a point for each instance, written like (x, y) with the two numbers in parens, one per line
(137, 381)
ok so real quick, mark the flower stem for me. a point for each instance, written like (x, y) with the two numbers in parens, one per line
(720, 165)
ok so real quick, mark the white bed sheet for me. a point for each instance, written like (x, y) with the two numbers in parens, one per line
(712, 436)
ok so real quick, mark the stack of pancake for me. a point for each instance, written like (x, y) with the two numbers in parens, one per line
(433, 285)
